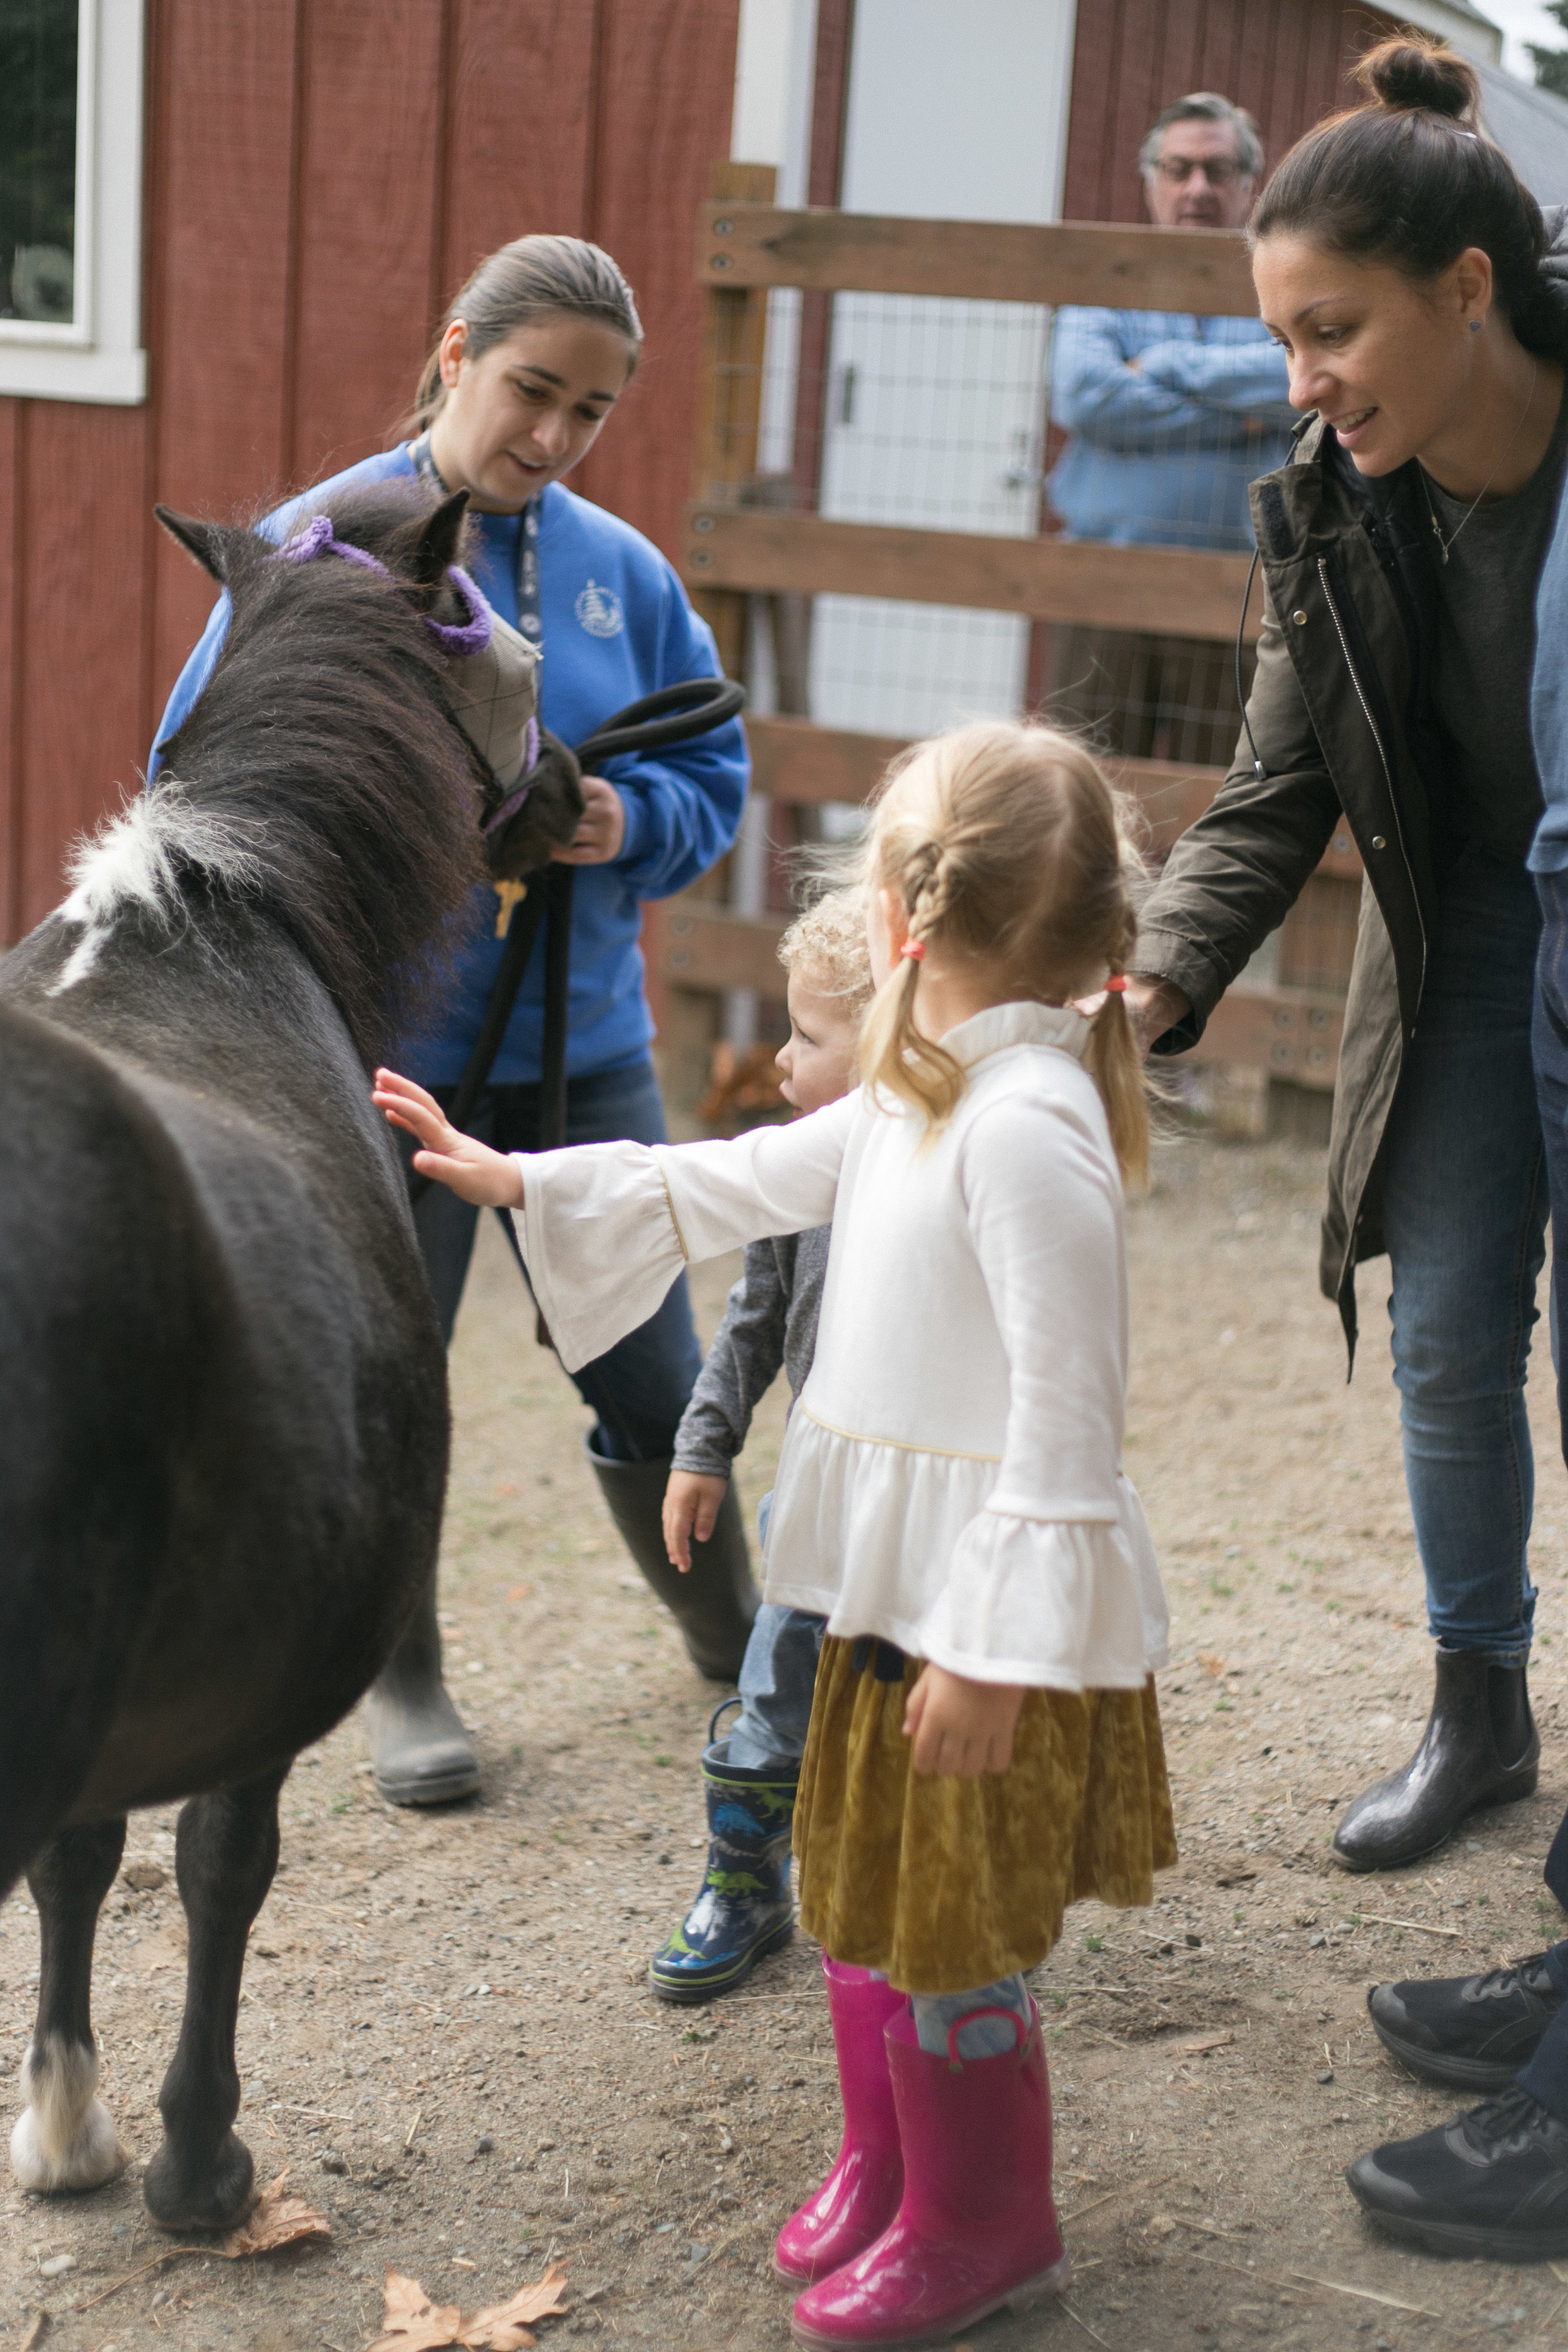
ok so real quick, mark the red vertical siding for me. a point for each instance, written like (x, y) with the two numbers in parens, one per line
(1284, 59)
(656, 131)
(321, 174)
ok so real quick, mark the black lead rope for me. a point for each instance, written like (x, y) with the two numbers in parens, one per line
(674, 714)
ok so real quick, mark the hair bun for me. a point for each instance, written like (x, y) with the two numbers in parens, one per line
(1408, 74)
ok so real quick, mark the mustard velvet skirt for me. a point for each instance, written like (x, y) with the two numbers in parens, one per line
(946, 1884)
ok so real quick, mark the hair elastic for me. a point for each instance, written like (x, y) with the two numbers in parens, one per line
(1117, 984)
(915, 950)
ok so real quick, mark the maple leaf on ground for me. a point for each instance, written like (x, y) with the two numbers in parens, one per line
(503, 2328)
(275, 2221)
(412, 2323)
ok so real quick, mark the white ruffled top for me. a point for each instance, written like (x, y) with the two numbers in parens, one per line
(951, 1478)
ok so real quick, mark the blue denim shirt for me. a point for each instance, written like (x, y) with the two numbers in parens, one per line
(1163, 452)
(1549, 701)
(616, 625)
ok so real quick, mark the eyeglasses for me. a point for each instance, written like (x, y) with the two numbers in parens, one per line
(1219, 170)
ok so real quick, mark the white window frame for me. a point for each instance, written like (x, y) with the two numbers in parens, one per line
(99, 356)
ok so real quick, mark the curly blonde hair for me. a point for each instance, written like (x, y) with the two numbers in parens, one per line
(828, 941)
(1004, 845)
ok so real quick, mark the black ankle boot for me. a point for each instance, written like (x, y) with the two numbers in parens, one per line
(1480, 1748)
(421, 1752)
(715, 1603)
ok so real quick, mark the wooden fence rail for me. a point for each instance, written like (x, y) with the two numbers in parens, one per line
(747, 245)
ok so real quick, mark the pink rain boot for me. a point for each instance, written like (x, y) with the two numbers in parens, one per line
(860, 2195)
(977, 2226)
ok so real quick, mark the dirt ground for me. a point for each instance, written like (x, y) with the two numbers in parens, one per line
(445, 2035)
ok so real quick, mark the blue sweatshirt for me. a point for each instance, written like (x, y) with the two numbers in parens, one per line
(1163, 453)
(617, 625)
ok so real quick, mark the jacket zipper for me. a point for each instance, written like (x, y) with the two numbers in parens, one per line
(1382, 755)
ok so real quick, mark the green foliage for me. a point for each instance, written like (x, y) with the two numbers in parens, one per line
(1552, 64)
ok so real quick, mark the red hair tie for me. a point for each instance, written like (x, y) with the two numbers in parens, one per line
(915, 949)
(1117, 984)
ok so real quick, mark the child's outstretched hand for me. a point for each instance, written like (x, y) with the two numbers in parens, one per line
(488, 1179)
(691, 1501)
(961, 1726)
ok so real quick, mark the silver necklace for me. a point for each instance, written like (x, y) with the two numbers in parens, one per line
(1444, 544)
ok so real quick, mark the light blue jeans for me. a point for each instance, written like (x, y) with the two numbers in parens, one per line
(778, 1675)
(1465, 1204)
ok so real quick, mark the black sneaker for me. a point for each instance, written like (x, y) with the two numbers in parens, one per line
(1471, 2033)
(1493, 2183)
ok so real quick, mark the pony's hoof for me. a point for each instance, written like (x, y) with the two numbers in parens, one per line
(215, 2196)
(91, 2156)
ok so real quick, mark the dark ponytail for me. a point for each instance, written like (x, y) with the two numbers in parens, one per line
(533, 278)
(1408, 180)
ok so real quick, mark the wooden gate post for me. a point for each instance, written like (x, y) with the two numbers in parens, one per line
(734, 329)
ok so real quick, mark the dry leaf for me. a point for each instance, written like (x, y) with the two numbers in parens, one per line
(414, 2324)
(1206, 2042)
(411, 2322)
(275, 2221)
(501, 2329)
(1211, 1663)
(144, 1876)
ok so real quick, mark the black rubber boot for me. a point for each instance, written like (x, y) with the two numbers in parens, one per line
(422, 1754)
(1494, 2183)
(715, 1604)
(1472, 2032)
(1480, 1748)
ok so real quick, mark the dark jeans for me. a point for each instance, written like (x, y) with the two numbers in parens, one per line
(1549, 1039)
(641, 1388)
(1465, 1221)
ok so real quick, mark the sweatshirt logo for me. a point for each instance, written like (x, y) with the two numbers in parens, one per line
(599, 610)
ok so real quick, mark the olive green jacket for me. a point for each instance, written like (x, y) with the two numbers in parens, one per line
(1336, 715)
(1341, 716)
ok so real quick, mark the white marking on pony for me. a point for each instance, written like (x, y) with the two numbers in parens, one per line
(65, 2136)
(134, 860)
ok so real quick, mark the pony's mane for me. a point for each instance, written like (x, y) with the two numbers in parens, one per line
(319, 771)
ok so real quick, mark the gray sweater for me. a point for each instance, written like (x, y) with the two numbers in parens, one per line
(770, 1319)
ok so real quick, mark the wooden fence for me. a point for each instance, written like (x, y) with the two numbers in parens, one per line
(1288, 1028)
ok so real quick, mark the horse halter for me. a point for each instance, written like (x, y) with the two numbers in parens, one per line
(493, 671)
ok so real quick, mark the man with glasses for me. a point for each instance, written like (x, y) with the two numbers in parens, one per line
(1171, 417)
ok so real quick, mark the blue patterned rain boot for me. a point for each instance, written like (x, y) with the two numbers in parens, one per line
(746, 1909)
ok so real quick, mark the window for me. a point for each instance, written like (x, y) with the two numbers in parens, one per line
(71, 189)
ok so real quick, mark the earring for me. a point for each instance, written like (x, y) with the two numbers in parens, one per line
(1475, 326)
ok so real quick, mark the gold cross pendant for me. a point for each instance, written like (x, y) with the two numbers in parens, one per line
(511, 894)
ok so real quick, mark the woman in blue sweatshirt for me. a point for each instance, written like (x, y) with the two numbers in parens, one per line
(534, 353)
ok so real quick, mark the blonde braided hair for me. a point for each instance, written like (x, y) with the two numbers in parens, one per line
(1004, 845)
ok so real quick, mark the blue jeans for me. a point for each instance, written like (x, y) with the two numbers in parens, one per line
(1464, 1222)
(778, 1675)
(641, 1388)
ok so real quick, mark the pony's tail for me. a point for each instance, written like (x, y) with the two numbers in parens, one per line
(1116, 1068)
(896, 1056)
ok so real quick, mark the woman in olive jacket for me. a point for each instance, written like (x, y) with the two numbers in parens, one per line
(1407, 271)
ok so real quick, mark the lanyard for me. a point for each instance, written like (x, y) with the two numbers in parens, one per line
(528, 620)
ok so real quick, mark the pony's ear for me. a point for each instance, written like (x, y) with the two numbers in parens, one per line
(437, 545)
(207, 541)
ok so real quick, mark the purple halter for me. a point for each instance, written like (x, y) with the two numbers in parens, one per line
(457, 641)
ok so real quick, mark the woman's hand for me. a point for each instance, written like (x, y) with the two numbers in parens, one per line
(488, 1179)
(601, 830)
(691, 1501)
(1152, 1007)
(961, 1726)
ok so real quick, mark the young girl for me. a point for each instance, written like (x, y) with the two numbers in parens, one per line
(984, 1746)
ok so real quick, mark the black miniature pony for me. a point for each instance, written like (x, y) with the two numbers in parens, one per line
(223, 1448)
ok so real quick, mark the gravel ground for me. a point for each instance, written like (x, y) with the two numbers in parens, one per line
(445, 2035)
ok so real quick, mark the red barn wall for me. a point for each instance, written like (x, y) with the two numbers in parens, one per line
(1286, 60)
(321, 174)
